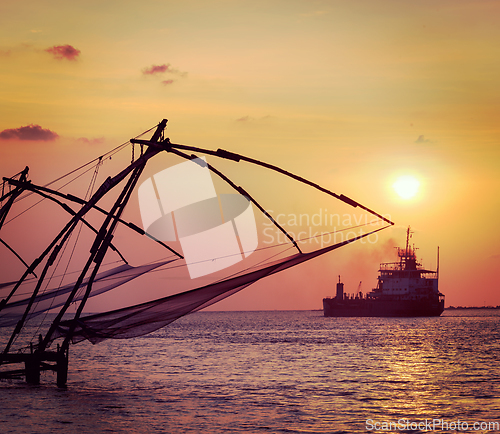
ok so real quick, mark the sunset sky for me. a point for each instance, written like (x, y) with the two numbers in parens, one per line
(351, 95)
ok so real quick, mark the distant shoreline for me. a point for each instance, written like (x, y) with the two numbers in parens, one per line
(471, 307)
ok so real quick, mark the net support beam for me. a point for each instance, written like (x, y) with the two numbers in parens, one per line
(221, 153)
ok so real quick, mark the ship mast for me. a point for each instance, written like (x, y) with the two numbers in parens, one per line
(407, 252)
(437, 270)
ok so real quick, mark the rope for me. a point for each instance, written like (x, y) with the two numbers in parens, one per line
(106, 155)
(41, 200)
(90, 190)
(87, 195)
(99, 160)
(286, 243)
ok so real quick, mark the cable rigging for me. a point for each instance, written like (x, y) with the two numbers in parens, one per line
(142, 318)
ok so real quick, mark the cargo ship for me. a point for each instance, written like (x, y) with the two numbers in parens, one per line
(404, 289)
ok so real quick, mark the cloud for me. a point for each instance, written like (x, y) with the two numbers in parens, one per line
(155, 69)
(251, 119)
(422, 139)
(95, 141)
(167, 82)
(63, 52)
(17, 49)
(160, 69)
(29, 132)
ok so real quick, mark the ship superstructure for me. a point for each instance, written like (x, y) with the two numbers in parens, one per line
(404, 288)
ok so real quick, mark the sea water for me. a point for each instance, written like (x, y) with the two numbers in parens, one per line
(275, 372)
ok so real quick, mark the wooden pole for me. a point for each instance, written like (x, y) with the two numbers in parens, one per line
(62, 366)
(32, 367)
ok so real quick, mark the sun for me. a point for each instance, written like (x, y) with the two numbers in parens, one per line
(406, 186)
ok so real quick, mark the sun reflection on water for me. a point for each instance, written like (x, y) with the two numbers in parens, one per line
(274, 371)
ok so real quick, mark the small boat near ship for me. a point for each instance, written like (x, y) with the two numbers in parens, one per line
(404, 289)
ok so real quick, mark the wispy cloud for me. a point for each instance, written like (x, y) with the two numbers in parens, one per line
(29, 132)
(61, 52)
(167, 82)
(422, 139)
(95, 141)
(252, 119)
(160, 69)
(17, 49)
(155, 69)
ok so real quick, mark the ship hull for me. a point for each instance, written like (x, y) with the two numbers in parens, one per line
(382, 308)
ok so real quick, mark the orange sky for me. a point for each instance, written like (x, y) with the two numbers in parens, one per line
(349, 95)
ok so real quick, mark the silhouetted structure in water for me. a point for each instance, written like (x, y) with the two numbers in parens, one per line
(16, 309)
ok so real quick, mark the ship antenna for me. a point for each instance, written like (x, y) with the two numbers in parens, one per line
(407, 241)
(437, 271)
